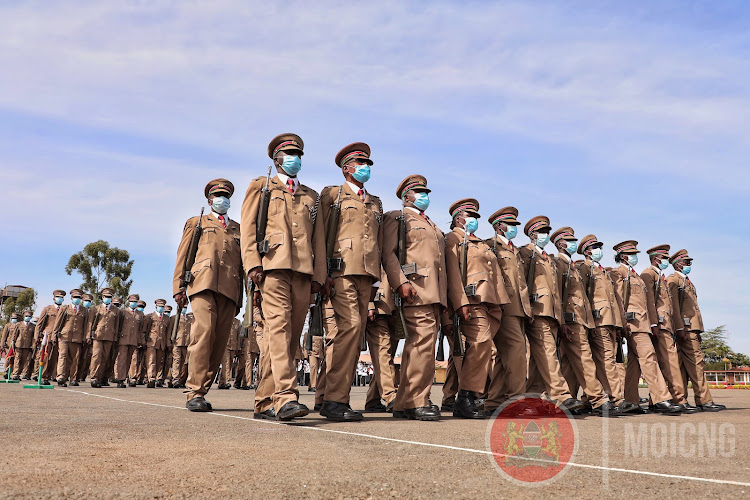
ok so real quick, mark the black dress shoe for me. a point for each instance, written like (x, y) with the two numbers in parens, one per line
(608, 409)
(121, 385)
(159, 383)
(105, 384)
(686, 408)
(389, 407)
(245, 387)
(311, 389)
(465, 408)
(429, 403)
(95, 384)
(479, 403)
(198, 404)
(447, 407)
(317, 407)
(269, 414)
(292, 409)
(585, 410)
(74, 384)
(34, 378)
(572, 404)
(132, 383)
(425, 413)
(45, 382)
(61, 383)
(151, 384)
(225, 386)
(643, 401)
(631, 408)
(666, 407)
(378, 407)
(16, 378)
(712, 407)
(340, 412)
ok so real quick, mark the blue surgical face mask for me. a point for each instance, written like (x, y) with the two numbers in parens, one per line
(471, 225)
(663, 264)
(27, 318)
(686, 270)
(160, 309)
(14, 320)
(107, 300)
(421, 201)
(86, 304)
(76, 301)
(139, 309)
(571, 247)
(632, 260)
(596, 254)
(542, 239)
(361, 173)
(292, 165)
(220, 205)
(511, 232)
(132, 305)
(184, 310)
(59, 300)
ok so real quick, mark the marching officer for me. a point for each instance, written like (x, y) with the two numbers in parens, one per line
(109, 371)
(420, 282)
(104, 322)
(232, 351)
(180, 343)
(688, 328)
(155, 336)
(84, 358)
(215, 291)
(139, 361)
(478, 301)
(24, 338)
(546, 306)
(315, 359)
(45, 326)
(69, 330)
(130, 339)
(381, 342)
(353, 268)
(165, 374)
(631, 295)
(282, 268)
(508, 377)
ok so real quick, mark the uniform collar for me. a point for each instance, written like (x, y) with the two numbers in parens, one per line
(216, 216)
(564, 257)
(356, 188)
(284, 179)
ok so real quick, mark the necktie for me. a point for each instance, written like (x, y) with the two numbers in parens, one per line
(221, 219)
(76, 309)
(290, 183)
(510, 244)
(361, 194)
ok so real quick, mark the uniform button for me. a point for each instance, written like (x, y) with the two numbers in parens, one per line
(440, 269)
(294, 240)
(489, 263)
(366, 236)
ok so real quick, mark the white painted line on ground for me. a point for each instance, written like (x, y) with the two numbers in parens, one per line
(420, 443)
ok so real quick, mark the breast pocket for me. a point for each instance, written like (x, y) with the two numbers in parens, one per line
(416, 234)
(342, 246)
(349, 213)
(200, 266)
(276, 205)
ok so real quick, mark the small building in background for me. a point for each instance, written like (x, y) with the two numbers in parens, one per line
(11, 291)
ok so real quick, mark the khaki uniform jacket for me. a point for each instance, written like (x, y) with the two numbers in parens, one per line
(289, 230)
(24, 335)
(637, 304)
(218, 262)
(71, 326)
(156, 336)
(132, 323)
(545, 286)
(8, 334)
(482, 270)
(47, 319)
(578, 301)
(360, 236)
(234, 335)
(690, 310)
(661, 306)
(514, 278)
(106, 327)
(425, 246)
(383, 302)
(183, 329)
(605, 300)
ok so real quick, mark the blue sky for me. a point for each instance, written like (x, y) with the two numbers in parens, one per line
(628, 120)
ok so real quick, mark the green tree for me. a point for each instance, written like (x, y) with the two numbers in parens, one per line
(100, 265)
(739, 359)
(714, 344)
(25, 300)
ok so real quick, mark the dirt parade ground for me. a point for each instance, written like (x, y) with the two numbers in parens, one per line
(142, 443)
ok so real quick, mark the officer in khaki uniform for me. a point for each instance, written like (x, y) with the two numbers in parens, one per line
(354, 268)
(45, 325)
(139, 360)
(232, 351)
(109, 371)
(577, 363)
(130, 339)
(315, 359)
(453, 367)
(509, 372)
(180, 344)
(252, 346)
(479, 303)
(242, 353)
(104, 319)
(22, 341)
(546, 306)
(638, 331)
(155, 336)
(215, 291)
(84, 358)
(69, 329)
(8, 334)
(165, 373)
(421, 284)
(381, 342)
(688, 324)
(283, 273)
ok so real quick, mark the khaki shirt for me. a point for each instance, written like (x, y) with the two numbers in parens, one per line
(659, 307)
(482, 271)
(289, 230)
(578, 302)
(46, 321)
(425, 247)
(545, 286)
(156, 335)
(514, 278)
(690, 312)
(106, 327)
(70, 324)
(132, 322)
(360, 235)
(8, 334)
(24, 335)
(605, 301)
(218, 262)
(637, 304)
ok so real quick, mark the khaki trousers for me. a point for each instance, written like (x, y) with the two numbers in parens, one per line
(239, 375)
(315, 359)
(603, 342)
(578, 366)
(23, 363)
(155, 362)
(418, 359)
(209, 334)
(692, 366)
(50, 364)
(508, 377)
(250, 378)
(166, 372)
(642, 359)
(286, 300)
(450, 387)
(122, 362)
(381, 341)
(67, 363)
(343, 343)
(544, 367)
(329, 325)
(101, 352)
(227, 364)
(137, 362)
(84, 362)
(669, 362)
(479, 332)
(179, 364)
